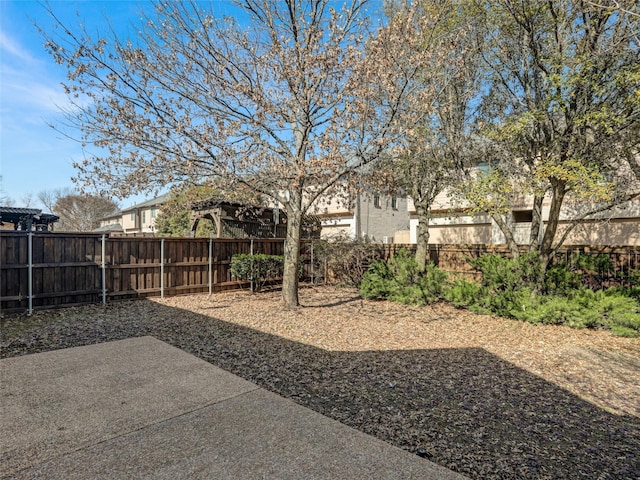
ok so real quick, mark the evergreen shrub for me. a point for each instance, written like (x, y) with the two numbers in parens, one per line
(509, 288)
(401, 280)
(258, 268)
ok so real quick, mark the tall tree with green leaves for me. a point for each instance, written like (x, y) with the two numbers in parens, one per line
(561, 110)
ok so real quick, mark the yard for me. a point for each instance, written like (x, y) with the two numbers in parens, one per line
(484, 396)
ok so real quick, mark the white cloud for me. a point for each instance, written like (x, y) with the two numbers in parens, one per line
(10, 46)
(20, 91)
(28, 86)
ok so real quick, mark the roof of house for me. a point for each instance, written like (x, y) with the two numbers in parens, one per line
(113, 227)
(147, 203)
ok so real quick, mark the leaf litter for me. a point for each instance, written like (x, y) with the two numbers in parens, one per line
(484, 396)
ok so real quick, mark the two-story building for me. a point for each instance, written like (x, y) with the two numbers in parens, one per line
(392, 219)
(368, 215)
(139, 218)
(451, 224)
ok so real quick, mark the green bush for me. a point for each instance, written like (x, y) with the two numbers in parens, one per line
(559, 279)
(586, 270)
(377, 281)
(555, 310)
(401, 280)
(606, 309)
(499, 273)
(461, 292)
(631, 292)
(508, 289)
(592, 269)
(258, 268)
(507, 286)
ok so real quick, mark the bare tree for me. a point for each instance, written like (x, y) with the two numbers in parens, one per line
(287, 102)
(48, 198)
(5, 199)
(27, 200)
(436, 145)
(78, 212)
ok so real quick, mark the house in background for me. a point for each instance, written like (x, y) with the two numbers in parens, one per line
(139, 218)
(367, 215)
(392, 219)
(451, 224)
(370, 216)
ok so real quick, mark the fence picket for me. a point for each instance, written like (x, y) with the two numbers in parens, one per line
(77, 268)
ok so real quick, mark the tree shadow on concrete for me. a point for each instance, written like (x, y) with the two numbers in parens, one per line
(465, 409)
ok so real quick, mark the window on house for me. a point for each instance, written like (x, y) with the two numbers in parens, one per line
(144, 216)
(376, 200)
(154, 212)
(394, 202)
(522, 216)
(133, 216)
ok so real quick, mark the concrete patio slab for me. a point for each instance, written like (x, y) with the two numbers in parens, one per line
(140, 408)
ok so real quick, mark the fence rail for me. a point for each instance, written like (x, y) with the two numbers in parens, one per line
(46, 270)
(623, 260)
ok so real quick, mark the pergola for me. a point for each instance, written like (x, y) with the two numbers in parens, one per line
(238, 220)
(27, 219)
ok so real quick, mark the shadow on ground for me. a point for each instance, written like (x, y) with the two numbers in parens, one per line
(465, 409)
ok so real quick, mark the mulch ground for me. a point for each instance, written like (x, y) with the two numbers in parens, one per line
(483, 396)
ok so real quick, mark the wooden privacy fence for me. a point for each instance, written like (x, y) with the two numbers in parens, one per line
(624, 260)
(43, 270)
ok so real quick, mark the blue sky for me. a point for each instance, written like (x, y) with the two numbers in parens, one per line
(33, 156)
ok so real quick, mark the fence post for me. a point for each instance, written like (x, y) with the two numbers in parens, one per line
(252, 264)
(104, 270)
(210, 263)
(312, 263)
(162, 268)
(30, 272)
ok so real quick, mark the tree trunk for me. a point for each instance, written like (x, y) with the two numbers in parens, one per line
(546, 250)
(536, 223)
(558, 189)
(422, 248)
(508, 235)
(291, 257)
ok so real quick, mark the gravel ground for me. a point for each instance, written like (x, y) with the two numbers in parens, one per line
(483, 396)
